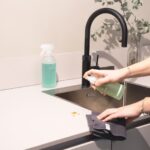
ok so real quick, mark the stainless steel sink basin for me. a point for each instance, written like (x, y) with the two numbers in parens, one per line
(87, 98)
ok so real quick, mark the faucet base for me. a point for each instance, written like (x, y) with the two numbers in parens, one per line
(85, 67)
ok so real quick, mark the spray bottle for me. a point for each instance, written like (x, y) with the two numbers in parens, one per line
(114, 90)
(48, 66)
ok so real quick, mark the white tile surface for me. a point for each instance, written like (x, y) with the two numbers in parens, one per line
(30, 118)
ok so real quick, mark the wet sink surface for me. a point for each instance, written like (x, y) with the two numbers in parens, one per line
(86, 97)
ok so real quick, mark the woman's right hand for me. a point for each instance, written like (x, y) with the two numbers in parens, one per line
(106, 76)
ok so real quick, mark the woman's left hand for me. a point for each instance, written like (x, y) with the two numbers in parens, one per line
(129, 112)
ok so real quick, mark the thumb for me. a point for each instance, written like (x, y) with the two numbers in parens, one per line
(129, 120)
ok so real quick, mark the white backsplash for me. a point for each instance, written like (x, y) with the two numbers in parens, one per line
(26, 71)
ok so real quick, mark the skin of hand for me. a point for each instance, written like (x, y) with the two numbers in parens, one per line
(106, 76)
(129, 112)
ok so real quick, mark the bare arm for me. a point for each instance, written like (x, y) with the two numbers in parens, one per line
(146, 105)
(105, 76)
(139, 69)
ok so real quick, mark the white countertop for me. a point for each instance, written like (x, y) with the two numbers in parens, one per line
(141, 81)
(31, 118)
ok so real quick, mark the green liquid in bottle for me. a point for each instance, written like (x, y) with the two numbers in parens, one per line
(49, 75)
(115, 90)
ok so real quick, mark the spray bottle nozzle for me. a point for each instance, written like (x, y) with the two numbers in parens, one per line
(47, 46)
(46, 49)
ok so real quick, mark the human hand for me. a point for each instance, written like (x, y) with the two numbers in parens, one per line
(129, 112)
(106, 76)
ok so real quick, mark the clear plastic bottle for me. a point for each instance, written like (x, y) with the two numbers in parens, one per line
(114, 90)
(48, 66)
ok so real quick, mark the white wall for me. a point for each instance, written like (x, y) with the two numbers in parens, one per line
(25, 24)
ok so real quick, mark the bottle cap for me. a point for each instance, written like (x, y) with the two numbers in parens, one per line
(91, 79)
(47, 46)
(46, 49)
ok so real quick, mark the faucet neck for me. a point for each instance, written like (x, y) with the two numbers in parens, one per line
(91, 19)
(86, 59)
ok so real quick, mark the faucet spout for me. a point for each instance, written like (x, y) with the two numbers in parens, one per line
(86, 57)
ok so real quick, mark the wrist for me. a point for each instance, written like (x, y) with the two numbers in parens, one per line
(141, 106)
(146, 105)
(126, 72)
(129, 72)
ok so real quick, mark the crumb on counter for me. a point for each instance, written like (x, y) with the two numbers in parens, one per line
(74, 113)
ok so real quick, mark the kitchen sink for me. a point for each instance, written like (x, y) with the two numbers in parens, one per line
(135, 93)
(86, 97)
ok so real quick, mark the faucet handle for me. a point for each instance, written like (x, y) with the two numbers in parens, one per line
(101, 68)
(107, 68)
(96, 66)
(97, 58)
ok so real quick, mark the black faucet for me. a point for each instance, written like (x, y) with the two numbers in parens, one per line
(86, 58)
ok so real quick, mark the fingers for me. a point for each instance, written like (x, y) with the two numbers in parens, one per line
(91, 72)
(112, 116)
(93, 86)
(88, 73)
(130, 120)
(107, 114)
(100, 75)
